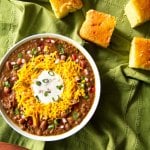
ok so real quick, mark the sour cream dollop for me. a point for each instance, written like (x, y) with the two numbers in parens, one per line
(47, 87)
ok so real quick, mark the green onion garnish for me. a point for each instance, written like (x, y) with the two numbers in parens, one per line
(45, 80)
(59, 87)
(38, 83)
(16, 111)
(51, 126)
(51, 73)
(46, 93)
(15, 67)
(60, 48)
(75, 115)
(20, 55)
(7, 84)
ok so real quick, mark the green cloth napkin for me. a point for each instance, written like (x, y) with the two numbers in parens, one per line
(121, 121)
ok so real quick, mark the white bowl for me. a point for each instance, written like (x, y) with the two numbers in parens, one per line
(92, 109)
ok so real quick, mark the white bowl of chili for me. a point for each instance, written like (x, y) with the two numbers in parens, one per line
(50, 87)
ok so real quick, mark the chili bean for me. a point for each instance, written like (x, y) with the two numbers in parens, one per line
(86, 72)
(6, 90)
(63, 57)
(39, 132)
(62, 127)
(14, 78)
(19, 61)
(43, 125)
(64, 120)
(67, 126)
(23, 61)
(22, 121)
(70, 120)
(83, 63)
(8, 65)
(80, 57)
(63, 114)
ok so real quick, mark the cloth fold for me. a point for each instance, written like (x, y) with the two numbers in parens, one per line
(121, 120)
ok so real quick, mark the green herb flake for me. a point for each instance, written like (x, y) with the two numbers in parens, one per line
(7, 84)
(38, 83)
(15, 67)
(51, 126)
(56, 122)
(82, 85)
(34, 52)
(45, 80)
(37, 97)
(51, 73)
(86, 97)
(75, 115)
(59, 87)
(20, 55)
(46, 93)
(60, 48)
(16, 111)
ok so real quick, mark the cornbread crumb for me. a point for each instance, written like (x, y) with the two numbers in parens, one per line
(140, 53)
(62, 7)
(137, 12)
(98, 28)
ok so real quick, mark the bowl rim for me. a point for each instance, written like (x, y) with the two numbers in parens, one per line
(97, 89)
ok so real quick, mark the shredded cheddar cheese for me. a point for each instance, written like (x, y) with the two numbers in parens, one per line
(29, 104)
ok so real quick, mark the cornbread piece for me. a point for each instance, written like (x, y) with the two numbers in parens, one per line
(140, 53)
(98, 28)
(137, 11)
(62, 7)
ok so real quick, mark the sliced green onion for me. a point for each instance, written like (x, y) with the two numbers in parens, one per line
(51, 126)
(34, 52)
(15, 67)
(86, 97)
(60, 48)
(7, 84)
(59, 87)
(46, 93)
(82, 85)
(45, 80)
(16, 111)
(56, 122)
(37, 97)
(20, 55)
(75, 115)
(51, 73)
(38, 83)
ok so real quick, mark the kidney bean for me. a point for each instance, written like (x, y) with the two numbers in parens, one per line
(39, 132)
(19, 61)
(22, 121)
(67, 126)
(6, 90)
(82, 63)
(63, 114)
(8, 65)
(63, 57)
(70, 120)
(43, 125)
(64, 120)
(14, 78)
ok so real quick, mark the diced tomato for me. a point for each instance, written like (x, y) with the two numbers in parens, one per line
(74, 57)
(48, 40)
(82, 63)
(92, 89)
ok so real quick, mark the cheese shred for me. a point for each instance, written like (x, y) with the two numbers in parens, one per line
(30, 105)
